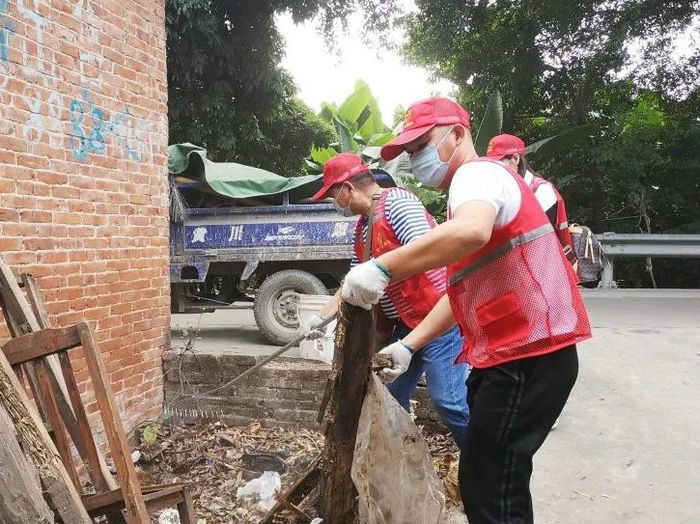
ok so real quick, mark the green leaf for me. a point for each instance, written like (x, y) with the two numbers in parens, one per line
(149, 434)
(562, 141)
(323, 154)
(380, 139)
(328, 111)
(346, 141)
(361, 110)
(491, 123)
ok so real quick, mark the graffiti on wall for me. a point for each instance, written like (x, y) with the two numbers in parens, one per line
(6, 28)
(81, 123)
(91, 128)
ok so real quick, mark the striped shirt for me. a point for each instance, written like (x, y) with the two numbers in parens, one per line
(406, 217)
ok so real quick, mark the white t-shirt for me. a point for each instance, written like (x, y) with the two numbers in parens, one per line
(544, 193)
(487, 182)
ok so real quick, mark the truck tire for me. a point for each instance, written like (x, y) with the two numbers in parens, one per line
(275, 303)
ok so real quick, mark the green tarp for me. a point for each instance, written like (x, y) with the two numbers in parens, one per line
(236, 180)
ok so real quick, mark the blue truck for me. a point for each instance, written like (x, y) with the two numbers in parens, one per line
(244, 242)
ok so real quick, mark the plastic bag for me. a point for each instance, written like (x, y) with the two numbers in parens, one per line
(265, 488)
(392, 468)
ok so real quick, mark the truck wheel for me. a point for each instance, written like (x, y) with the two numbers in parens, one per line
(276, 300)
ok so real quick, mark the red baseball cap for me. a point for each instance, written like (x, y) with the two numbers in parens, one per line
(505, 145)
(421, 117)
(340, 168)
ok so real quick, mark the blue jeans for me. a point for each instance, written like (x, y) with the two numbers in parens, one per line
(446, 380)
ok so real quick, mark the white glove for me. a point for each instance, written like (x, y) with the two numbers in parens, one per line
(364, 285)
(312, 330)
(400, 360)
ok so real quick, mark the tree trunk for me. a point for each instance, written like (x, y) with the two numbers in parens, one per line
(352, 365)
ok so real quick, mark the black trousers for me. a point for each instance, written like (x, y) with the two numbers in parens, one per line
(513, 407)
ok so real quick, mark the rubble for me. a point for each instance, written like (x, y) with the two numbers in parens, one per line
(216, 460)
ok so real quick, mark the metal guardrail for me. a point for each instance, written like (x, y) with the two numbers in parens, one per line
(648, 246)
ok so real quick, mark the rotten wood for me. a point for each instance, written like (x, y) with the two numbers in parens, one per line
(352, 364)
(21, 500)
(39, 448)
(126, 473)
(330, 382)
(380, 362)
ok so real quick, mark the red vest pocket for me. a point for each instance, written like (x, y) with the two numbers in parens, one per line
(503, 321)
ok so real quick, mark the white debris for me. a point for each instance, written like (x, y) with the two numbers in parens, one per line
(135, 456)
(169, 516)
(264, 488)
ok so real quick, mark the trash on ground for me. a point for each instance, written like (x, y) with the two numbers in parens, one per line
(263, 489)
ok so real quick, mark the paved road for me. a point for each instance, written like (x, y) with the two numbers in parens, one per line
(628, 448)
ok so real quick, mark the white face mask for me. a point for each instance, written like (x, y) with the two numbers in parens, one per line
(345, 211)
(426, 165)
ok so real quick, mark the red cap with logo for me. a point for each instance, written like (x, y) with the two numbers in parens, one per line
(421, 117)
(340, 168)
(505, 145)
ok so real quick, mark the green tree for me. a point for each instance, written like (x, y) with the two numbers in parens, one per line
(548, 58)
(226, 88)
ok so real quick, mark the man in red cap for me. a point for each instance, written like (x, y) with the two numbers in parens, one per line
(398, 218)
(511, 291)
(510, 150)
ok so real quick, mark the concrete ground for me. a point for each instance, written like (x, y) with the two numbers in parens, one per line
(627, 447)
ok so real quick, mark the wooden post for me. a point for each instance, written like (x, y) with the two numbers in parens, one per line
(352, 365)
(20, 492)
(39, 448)
(128, 480)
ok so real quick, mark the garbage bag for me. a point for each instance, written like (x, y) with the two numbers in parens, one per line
(392, 468)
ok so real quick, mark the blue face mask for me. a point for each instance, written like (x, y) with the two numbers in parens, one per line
(426, 165)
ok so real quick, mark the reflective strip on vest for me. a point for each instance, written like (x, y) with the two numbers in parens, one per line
(500, 251)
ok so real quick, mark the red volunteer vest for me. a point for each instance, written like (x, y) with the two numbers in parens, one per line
(561, 227)
(415, 296)
(516, 297)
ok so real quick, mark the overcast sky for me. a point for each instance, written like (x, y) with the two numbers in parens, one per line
(325, 77)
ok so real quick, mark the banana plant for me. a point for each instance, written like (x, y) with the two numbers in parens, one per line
(358, 124)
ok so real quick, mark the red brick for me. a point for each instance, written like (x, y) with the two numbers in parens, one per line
(93, 230)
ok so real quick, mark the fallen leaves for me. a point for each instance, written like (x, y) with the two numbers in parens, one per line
(216, 459)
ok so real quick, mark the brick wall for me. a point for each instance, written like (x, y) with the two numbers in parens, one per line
(83, 186)
(287, 392)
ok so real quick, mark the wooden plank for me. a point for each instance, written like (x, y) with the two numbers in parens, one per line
(126, 473)
(34, 297)
(21, 500)
(40, 344)
(352, 364)
(166, 497)
(78, 426)
(21, 320)
(59, 430)
(39, 448)
(185, 509)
